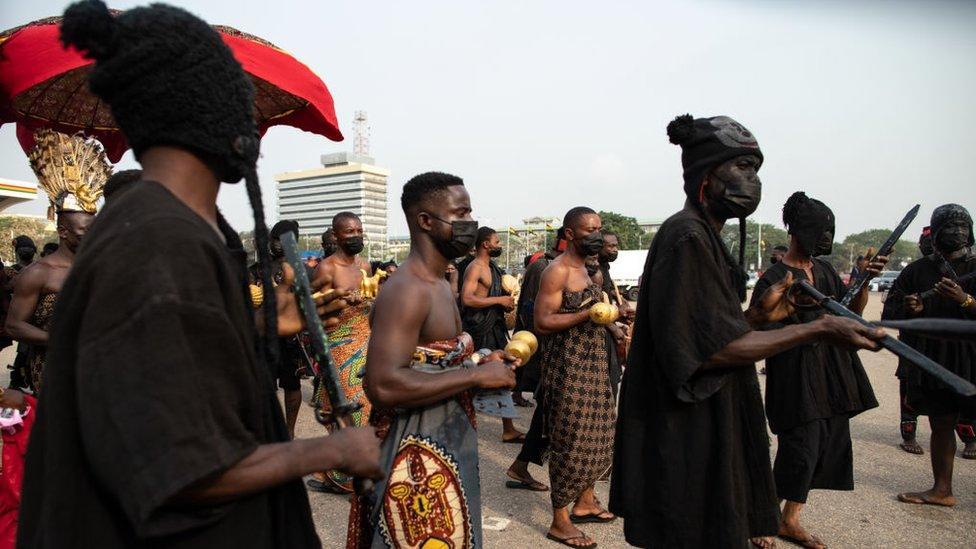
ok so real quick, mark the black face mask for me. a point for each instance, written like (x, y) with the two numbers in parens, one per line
(463, 236)
(590, 244)
(773, 260)
(592, 269)
(740, 198)
(329, 248)
(609, 258)
(352, 245)
(495, 252)
(952, 238)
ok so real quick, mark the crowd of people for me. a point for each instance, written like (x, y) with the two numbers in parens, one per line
(143, 408)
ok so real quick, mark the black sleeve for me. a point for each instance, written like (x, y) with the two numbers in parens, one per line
(695, 314)
(894, 305)
(163, 380)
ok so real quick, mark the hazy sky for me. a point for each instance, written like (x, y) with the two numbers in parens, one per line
(541, 106)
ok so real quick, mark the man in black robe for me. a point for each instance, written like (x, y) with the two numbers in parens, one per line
(483, 306)
(691, 462)
(812, 391)
(909, 416)
(952, 237)
(158, 426)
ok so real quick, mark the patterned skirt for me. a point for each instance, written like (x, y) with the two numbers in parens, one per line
(578, 404)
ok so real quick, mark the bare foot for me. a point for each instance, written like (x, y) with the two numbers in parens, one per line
(513, 437)
(969, 451)
(912, 447)
(763, 543)
(797, 534)
(928, 497)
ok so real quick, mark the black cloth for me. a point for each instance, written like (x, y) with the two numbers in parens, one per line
(816, 455)
(957, 355)
(816, 380)
(291, 358)
(152, 384)
(486, 325)
(530, 374)
(616, 368)
(535, 446)
(691, 460)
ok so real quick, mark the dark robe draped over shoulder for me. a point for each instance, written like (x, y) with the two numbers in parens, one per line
(816, 380)
(691, 459)
(958, 356)
(153, 384)
(486, 325)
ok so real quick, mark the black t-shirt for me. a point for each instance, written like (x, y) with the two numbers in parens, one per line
(816, 380)
(152, 384)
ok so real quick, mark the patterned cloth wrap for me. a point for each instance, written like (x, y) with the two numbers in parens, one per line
(431, 497)
(348, 342)
(38, 353)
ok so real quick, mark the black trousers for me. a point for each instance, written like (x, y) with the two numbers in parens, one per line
(815, 455)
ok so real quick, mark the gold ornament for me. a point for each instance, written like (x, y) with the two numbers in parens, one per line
(604, 313)
(529, 338)
(370, 285)
(257, 295)
(72, 169)
(519, 349)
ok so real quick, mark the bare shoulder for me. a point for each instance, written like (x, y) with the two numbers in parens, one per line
(403, 294)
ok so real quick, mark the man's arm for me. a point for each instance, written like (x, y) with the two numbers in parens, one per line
(474, 276)
(27, 292)
(354, 451)
(548, 319)
(399, 314)
(756, 345)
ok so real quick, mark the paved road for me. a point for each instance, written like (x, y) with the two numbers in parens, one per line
(870, 516)
(867, 517)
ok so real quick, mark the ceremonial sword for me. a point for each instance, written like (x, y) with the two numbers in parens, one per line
(341, 407)
(884, 250)
(956, 383)
(940, 328)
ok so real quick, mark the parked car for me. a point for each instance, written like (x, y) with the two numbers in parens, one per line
(753, 279)
(626, 271)
(883, 282)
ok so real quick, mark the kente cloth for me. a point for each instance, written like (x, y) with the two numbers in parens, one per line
(815, 380)
(578, 404)
(153, 383)
(12, 473)
(431, 497)
(957, 356)
(691, 459)
(38, 353)
(348, 342)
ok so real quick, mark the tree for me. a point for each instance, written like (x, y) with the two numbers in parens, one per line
(629, 233)
(904, 252)
(772, 236)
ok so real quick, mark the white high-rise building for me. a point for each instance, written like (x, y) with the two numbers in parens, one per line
(345, 183)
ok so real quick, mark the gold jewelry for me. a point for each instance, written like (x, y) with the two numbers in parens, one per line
(968, 303)
(72, 169)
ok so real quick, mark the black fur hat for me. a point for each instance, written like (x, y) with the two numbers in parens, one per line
(170, 80)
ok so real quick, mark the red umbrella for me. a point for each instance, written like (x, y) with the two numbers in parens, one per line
(45, 85)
